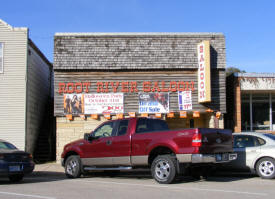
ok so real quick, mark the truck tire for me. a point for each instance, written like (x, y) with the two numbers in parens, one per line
(73, 166)
(266, 168)
(163, 169)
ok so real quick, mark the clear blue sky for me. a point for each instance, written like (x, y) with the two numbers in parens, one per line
(248, 25)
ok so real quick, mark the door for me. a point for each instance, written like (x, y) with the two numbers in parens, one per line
(248, 148)
(121, 144)
(99, 150)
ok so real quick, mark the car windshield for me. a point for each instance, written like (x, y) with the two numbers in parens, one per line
(6, 145)
(271, 136)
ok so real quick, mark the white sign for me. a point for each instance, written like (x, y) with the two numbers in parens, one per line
(204, 84)
(185, 100)
(103, 103)
(153, 103)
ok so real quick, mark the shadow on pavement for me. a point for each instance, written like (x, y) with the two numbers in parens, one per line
(36, 177)
(50, 176)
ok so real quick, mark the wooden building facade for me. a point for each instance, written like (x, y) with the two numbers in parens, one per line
(152, 74)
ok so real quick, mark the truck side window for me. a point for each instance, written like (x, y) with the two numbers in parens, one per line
(105, 130)
(150, 125)
(122, 128)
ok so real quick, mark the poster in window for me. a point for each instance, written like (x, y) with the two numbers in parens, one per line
(103, 103)
(153, 102)
(185, 100)
(73, 104)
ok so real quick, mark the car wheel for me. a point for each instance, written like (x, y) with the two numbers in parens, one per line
(163, 169)
(73, 167)
(266, 168)
(16, 177)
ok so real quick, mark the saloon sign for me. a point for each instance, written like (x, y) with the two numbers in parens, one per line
(204, 82)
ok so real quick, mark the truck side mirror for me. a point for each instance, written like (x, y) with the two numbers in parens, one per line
(86, 136)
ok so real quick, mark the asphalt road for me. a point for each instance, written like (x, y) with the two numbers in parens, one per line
(54, 185)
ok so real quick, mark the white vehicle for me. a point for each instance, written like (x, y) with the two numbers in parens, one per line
(256, 151)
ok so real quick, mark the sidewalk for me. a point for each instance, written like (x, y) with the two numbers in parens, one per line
(53, 167)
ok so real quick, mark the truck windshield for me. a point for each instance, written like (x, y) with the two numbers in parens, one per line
(149, 125)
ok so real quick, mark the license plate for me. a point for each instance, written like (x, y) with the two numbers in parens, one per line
(14, 168)
(218, 157)
(221, 157)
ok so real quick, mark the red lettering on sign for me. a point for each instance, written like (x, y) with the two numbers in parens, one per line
(134, 87)
(156, 87)
(173, 86)
(163, 89)
(202, 94)
(114, 86)
(70, 87)
(78, 90)
(181, 86)
(125, 88)
(86, 85)
(61, 88)
(146, 86)
(99, 87)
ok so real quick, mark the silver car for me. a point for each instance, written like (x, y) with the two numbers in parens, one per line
(256, 151)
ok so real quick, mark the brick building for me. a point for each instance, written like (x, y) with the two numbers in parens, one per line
(179, 77)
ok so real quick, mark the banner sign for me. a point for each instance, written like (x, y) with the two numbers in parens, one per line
(185, 100)
(73, 104)
(103, 103)
(204, 81)
(93, 103)
(153, 102)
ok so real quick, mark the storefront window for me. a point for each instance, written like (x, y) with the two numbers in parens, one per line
(260, 114)
(245, 116)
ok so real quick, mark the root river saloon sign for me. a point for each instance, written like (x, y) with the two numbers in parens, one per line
(80, 98)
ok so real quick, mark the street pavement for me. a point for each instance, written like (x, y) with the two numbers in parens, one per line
(48, 181)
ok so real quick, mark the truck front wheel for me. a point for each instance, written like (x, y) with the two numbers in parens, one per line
(73, 166)
(163, 169)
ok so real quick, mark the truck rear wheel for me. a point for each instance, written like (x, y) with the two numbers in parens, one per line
(163, 169)
(73, 167)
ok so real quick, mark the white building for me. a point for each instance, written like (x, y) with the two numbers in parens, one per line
(25, 88)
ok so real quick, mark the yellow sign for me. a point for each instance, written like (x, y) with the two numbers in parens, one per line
(204, 80)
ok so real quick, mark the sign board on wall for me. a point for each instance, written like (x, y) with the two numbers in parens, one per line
(73, 104)
(103, 103)
(204, 80)
(185, 100)
(93, 103)
(153, 102)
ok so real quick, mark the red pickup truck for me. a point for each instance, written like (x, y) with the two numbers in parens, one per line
(143, 142)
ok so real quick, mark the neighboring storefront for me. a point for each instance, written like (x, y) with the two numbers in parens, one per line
(251, 97)
(101, 76)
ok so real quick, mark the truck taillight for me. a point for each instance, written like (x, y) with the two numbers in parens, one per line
(196, 140)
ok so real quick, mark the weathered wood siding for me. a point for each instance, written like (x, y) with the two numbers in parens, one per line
(131, 99)
(13, 84)
(138, 51)
(38, 94)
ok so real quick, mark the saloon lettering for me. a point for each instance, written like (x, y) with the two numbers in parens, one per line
(126, 87)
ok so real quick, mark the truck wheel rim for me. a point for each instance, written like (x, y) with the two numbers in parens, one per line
(71, 167)
(266, 168)
(162, 170)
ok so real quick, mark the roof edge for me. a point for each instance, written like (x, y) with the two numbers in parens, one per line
(140, 34)
(13, 28)
(254, 75)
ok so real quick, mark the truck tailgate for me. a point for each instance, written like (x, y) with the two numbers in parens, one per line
(215, 140)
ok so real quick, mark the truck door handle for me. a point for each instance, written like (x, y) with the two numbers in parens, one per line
(108, 142)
